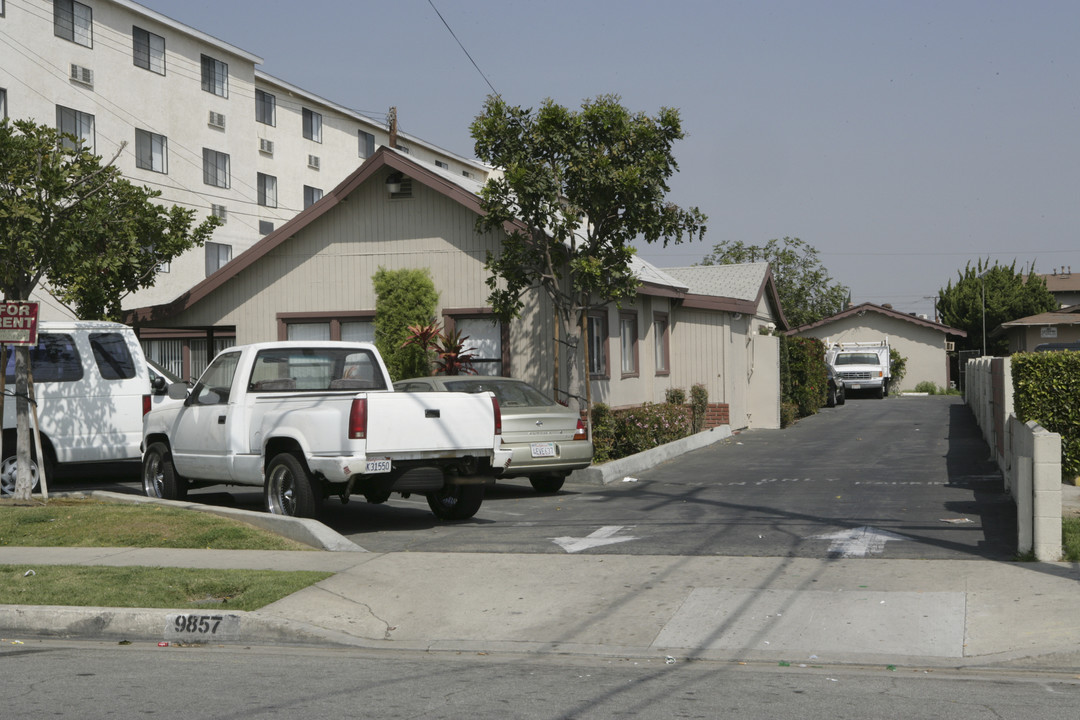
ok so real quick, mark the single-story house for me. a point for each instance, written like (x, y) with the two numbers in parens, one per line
(311, 278)
(924, 343)
(1028, 333)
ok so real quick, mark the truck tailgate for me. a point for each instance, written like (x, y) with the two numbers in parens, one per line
(429, 421)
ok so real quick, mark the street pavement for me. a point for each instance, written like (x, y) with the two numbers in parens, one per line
(932, 613)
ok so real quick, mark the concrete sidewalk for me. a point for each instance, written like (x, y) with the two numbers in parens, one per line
(899, 612)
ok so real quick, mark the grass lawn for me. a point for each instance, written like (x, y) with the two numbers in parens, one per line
(65, 522)
(1070, 539)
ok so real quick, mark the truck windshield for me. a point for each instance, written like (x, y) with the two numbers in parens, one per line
(857, 359)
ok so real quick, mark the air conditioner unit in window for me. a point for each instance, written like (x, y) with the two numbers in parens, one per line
(82, 75)
(313, 161)
(950, 346)
(266, 146)
(217, 120)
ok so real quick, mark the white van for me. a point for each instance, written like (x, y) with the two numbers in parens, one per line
(92, 388)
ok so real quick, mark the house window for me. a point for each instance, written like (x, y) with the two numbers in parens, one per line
(149, 50)
(217, 254)
(312, 195)
(267, 190)
(265, 108)
(597, 331)
(357, 326)
(358, 331)
(628, 336)
(266, 227)
(73, 21)
(312, 125)
(367, 143)
(215, 76)
(660, 338)
(151, 151)
(484, 336)
(79, 124)
(215, 168)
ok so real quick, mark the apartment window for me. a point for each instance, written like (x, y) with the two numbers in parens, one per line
(267, 190)
(151, 151)
(597, 327)
(215, 76)
(403, 149)
(265, 108)
(73, 21)
(217, 254)
(215, 168)
(367, 143)
(628, 337)
(220, 211)
(265, 227)
(79, 124)
(3, 103)
(149, 50)
(312, 125)
(440, 163)
(661, 339)
(312, 195)
(466, 173)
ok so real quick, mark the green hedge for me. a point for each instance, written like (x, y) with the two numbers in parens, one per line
(1046, 389)
(807, 377)
(619, 433)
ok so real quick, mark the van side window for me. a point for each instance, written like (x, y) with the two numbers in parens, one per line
(112, 356)
(54, 359)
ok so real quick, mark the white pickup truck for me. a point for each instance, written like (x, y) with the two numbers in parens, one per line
(311, 420)
(862, 365)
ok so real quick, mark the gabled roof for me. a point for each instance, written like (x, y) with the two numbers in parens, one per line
(734, 288)
(860, 310)
(1065, 316)
(459, 188)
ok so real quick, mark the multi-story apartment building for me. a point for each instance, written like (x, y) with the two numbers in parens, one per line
(191, 116)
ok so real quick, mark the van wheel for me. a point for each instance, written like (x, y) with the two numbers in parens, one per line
(159, 476)
(456, 502)
(9, 468)
(289, 488)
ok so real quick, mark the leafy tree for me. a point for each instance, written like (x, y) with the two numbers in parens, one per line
(577, 188)
(75, 226)
(405, 302)
(1008, 296)
(807, 292)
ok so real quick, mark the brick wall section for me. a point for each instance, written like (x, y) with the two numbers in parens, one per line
(716, 414)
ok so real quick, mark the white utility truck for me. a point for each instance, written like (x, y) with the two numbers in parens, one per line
(311, 420)
(861, 365)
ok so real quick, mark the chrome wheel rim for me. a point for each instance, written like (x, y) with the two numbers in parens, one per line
(9, 476)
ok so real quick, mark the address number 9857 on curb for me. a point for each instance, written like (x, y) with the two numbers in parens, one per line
(201, 628)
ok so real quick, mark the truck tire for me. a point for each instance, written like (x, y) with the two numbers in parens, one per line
(9, 467)
(547, 483)
(289, 490)
(159, 476)
(456, 502)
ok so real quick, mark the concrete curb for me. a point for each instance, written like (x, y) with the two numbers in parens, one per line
(618, 469)
(302, 530)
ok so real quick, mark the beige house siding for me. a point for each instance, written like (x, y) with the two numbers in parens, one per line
(1028, 338)
(923, 347)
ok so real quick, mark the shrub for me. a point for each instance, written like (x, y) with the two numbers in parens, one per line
(699, 405)
(897, 369)
(603, 433)
(789, 413)
(927, 387)
(643, 428)
(1046, 389)
(806, 367)
(675, 396)
(403, 298)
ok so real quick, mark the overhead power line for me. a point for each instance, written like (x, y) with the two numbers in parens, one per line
(432, 4)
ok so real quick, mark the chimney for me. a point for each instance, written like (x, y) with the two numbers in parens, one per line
(391, 121)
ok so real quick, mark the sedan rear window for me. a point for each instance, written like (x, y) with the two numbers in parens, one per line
(509, 393)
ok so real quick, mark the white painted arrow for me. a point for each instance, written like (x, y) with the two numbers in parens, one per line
(603, 536)
(858, 542)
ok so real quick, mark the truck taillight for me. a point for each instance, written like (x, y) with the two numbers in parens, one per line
(581, 434)
(145, 404)
(358, 419)
(498, 415)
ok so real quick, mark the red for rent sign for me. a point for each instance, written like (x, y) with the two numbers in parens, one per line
(18, 322)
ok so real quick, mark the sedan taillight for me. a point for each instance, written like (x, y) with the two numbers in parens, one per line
(581, 434)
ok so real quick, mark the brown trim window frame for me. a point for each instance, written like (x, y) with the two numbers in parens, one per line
(597, 331)
(629, 364)
(662, 340)
(334, 319)
(452, 315)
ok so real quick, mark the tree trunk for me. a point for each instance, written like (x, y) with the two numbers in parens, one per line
(24, 483)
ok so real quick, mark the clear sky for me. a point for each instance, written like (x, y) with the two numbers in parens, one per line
(900, 139)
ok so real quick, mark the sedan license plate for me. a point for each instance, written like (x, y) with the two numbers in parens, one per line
(377, 465)
(543, 449)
